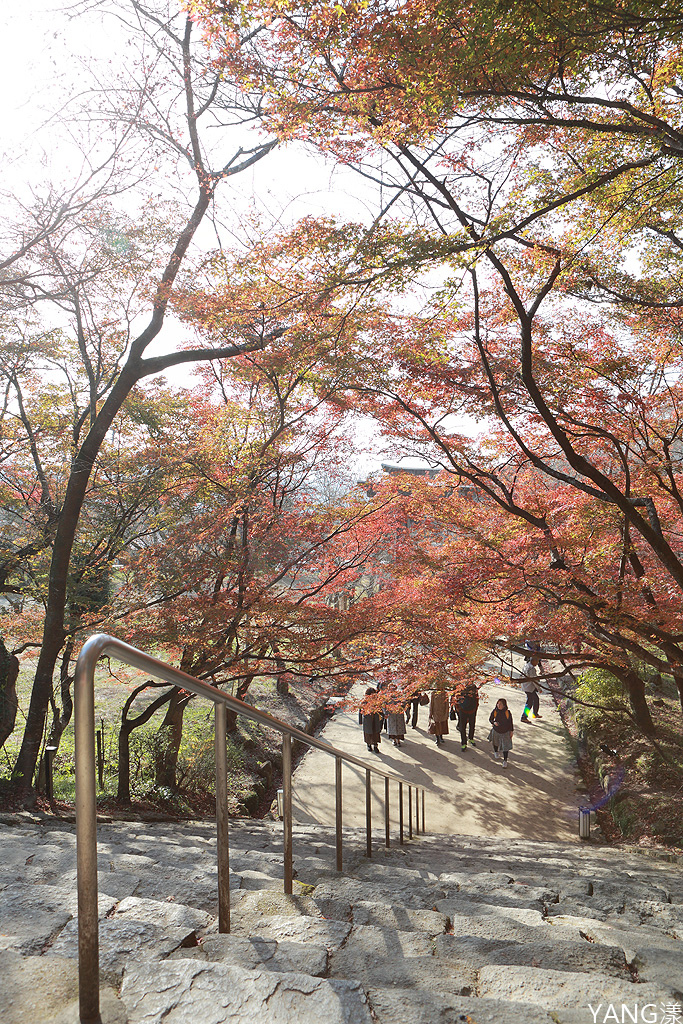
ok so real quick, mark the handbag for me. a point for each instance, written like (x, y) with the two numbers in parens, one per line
(424, 699)
(452, 715)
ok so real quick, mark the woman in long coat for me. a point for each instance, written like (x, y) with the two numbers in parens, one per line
(371, 722)
(438, 715)
(396, 726)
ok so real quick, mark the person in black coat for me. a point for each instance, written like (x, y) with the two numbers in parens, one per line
(466, 704)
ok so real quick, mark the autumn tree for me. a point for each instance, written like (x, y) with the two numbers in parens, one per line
(529, 155)
(255, 544)
(173, 88)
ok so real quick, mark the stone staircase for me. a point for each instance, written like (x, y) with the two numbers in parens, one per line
(444, 929)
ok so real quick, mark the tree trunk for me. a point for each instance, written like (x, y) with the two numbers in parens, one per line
(127, 727)
(9, 673)
(170, 736)
(636, 694)
(678, 680)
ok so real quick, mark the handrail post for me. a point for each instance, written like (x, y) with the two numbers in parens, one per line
(368, 814)
(86, 841)
(417, 811)
(222, 837)
(400, 813)
(387, 840)
(338, 808)
(410, 812)
(423, 812)
(287, 808)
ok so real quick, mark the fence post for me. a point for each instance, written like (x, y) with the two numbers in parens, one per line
(423, 811)
(417, 811)
(400, 813)
(222, 836)
(86, 845)
(368, 814)
(410, 812)
(387, 840)
(338, 808)
(287, 808)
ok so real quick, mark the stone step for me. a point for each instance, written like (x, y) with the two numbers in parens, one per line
(187, 992)
(437, 930)
(254, 953)
(415, 1006)
(567, 994)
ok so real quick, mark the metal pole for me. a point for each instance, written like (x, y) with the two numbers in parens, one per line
(368, 814)
(338, 808)
(417, 812)
(222, 837)
(86, 840)
(287, 808)
(410, 812)
(100, 760)
(386, 813)
(48, 759)
(423, 812)
(400, 813)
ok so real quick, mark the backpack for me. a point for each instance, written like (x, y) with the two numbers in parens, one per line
(467, 704)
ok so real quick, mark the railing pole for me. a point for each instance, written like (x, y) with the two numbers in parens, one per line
(410, 812)
(222, 837)
(400, 813)
(338, 808)
(417, 811)
(287, 808)
(368, 814)
(423, 812)
(387, 840)
(86, 842)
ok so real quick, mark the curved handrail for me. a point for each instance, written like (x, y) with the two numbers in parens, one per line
(86, 808)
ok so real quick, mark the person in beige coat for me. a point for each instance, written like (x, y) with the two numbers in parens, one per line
(438, 715)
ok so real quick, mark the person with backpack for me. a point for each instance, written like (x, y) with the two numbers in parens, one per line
(466, 703)
(502, 729)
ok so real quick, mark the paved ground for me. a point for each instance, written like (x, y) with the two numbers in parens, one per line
(535, 798)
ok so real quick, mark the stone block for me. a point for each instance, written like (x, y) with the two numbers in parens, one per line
(188, 992)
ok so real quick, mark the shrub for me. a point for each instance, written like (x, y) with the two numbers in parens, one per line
(596, 686)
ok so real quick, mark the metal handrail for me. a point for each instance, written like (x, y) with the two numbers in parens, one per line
(86, 807)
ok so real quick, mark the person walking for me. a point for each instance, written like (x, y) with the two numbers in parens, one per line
(413, 707)
(371, 721)
(466, 704)
(438, 716)
(502, 730)
(531, 688)
(396, 726)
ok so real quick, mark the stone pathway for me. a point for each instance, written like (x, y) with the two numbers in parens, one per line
(442, 930)
(537, 797)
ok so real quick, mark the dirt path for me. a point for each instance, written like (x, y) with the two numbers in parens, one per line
(469, 793)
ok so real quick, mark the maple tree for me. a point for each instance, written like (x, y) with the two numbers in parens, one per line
(256, 545)
(528, 159)
(112, 292)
